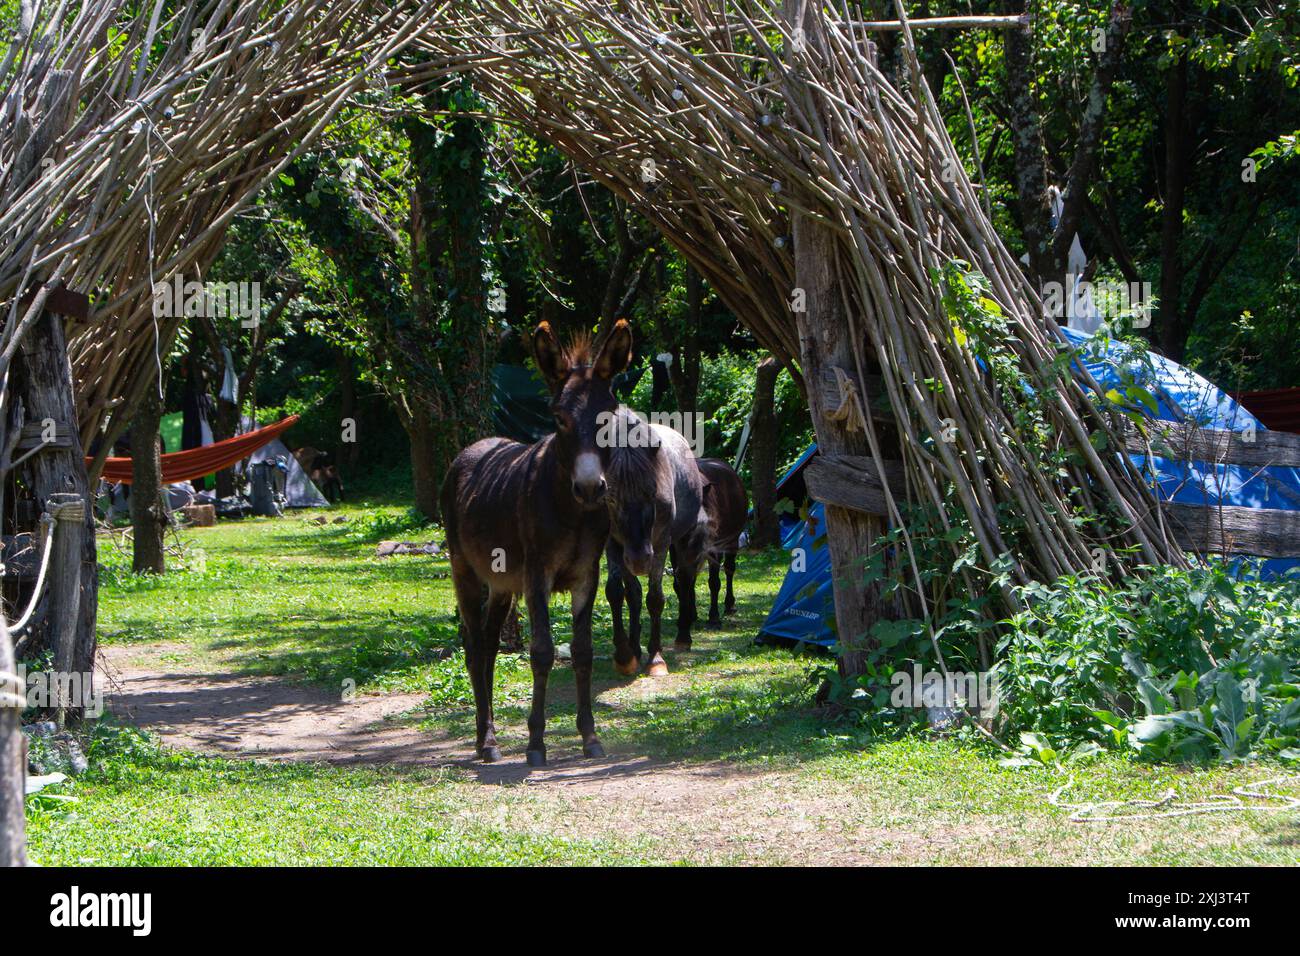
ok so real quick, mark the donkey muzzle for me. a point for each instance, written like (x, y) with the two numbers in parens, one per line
(590, 495)
(588, 480)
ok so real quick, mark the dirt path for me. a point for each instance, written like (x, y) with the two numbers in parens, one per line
(708, 809)
(272, 719)
(265, 718)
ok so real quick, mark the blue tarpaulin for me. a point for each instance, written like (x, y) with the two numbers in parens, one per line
(804, 607)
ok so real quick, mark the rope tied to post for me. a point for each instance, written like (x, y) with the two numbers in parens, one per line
(849, 405)
(68, 510)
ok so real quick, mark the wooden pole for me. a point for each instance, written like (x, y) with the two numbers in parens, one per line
(824, 343)
(763, 457)
(1002, 22)
(57, 476)
(69, 512)
(13, 757)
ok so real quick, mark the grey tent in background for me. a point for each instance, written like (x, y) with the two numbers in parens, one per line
(299, 491)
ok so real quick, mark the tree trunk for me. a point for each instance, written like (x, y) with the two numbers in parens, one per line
(767, 528)
(626, 252)
(148, 514)
(1091, 128)
(1049, 247)
(1027, 153)
(427, 466)
(348, 411)
(685, 369)
(43, 381)
(13, 760)
(1171, 335)
(454, 407)
(225, 423)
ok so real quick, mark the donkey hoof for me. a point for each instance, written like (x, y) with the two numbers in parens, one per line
(715, 621)
(490, 754)
(593, 749)
(537, 758)
(630, 668)
(681, 645)
(657, 668)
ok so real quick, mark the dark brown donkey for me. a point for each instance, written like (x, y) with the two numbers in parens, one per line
(727, 507)
(531, 520)
(656, 504)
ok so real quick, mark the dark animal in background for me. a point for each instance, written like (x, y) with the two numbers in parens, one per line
(531, 520)
(320, 468)
(727, 507)
(656, 504)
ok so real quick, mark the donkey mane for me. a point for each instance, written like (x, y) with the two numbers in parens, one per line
(577, 351)
(633, 476)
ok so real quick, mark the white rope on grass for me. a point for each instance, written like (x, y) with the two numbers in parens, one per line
(1088, 812)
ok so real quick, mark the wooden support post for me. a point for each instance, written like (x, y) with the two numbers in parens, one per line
(997, 22)
(69, 513)
(13, 757)
(824, 343)
(57, 475)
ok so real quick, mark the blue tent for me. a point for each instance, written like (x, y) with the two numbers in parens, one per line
(804, 606)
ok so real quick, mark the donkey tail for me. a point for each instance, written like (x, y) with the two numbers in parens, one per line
(447, 505)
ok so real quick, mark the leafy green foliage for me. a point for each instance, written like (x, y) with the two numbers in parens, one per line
(1175, 665)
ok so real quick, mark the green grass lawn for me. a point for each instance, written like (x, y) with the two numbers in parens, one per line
(726, 760)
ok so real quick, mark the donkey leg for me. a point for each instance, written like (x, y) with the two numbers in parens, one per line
(541, 654)
(634, 596)
(675, 554)
(715, 584)
(730, 607)
(654, 602)
(626, 662)
(499, 606)
(584, 596)
(687, 569)
(685, 577)
(469, 600)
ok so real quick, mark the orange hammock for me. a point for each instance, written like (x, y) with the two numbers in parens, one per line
(197, 462)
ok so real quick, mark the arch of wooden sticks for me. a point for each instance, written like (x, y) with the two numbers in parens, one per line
(722, 122)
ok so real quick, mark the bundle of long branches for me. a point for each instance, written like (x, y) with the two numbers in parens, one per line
(719, 122)
(129, 142)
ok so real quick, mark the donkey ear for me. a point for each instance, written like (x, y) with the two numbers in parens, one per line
(616, 354)
(548, 355)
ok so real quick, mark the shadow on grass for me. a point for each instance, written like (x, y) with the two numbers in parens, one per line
(725, 699)
(328, 650)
